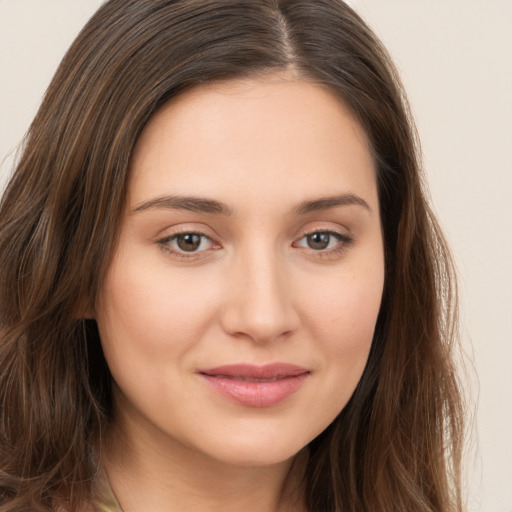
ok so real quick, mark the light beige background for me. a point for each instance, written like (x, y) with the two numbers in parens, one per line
(455, 57)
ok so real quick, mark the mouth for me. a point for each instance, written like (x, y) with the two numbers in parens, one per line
(247, 379)
(256, 386)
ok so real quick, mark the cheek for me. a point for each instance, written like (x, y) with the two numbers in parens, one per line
(151, 314)
(346, 309)
(345, 332)
(342, 321)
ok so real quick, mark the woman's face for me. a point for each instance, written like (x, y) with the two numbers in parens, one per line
(238, 311)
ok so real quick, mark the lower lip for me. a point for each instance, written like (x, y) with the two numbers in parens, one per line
(257, 394)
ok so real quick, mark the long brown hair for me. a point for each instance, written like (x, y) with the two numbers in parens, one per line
(396, 446)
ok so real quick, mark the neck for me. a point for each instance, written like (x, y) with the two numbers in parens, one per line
(155, 473)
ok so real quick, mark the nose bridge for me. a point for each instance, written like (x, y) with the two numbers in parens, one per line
(260, 304)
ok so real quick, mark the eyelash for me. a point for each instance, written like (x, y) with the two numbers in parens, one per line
(344, 242)
(164, 244)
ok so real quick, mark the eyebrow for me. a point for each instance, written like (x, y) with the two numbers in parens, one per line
(205, 205)
(192, 204)
(326, 203)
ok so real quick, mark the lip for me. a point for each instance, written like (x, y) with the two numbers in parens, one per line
(256, 386)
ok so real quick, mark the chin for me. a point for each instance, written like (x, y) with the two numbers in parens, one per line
(250, 458)
(256, 448)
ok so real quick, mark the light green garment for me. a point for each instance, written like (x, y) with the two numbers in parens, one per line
(106, 500)
(109, 505)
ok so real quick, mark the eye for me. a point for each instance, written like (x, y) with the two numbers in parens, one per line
(186, 243)
(189, 242)
(325, 241)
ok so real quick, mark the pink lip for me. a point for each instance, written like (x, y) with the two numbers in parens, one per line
(256, 386)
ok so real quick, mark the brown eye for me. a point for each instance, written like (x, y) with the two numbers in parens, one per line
(318, 241)
(188, 242)
(324, 242)
(187, 245)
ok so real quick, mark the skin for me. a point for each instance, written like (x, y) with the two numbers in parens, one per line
(254, 291)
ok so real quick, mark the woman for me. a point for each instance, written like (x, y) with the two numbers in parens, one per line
(222, 286)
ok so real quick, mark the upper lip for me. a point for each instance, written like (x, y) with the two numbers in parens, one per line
(250, 371)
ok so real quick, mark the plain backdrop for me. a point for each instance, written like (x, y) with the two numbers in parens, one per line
(455, 58)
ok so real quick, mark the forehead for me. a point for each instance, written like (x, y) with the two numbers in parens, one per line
(252, 137)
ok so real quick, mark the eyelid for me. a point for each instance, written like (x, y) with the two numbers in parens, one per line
(164, 243)
(344, 242)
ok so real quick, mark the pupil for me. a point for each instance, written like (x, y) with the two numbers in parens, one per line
(318, 240)
(189, 242)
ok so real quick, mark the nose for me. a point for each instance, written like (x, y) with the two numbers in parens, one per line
(260, 303)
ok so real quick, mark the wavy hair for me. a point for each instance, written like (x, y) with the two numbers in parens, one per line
(396, 446)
